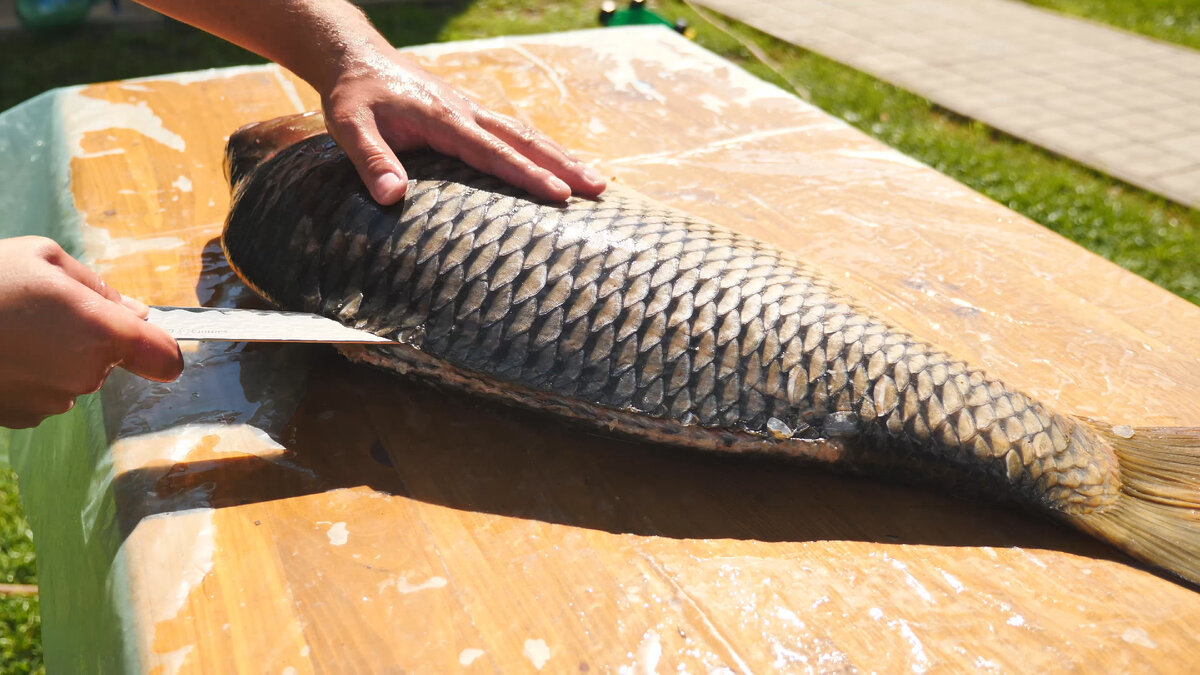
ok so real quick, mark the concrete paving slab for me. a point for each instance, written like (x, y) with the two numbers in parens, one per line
(1107, 98)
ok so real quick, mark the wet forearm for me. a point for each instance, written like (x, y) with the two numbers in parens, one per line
(316, 39)
(377, 102)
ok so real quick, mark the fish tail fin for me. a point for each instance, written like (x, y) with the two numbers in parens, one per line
(1156, 516)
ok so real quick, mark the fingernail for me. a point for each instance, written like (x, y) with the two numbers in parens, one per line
(560, 186)
(136, 305)
(389, 187)
(592, 176)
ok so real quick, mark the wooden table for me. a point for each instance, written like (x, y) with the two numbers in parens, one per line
(280, 510)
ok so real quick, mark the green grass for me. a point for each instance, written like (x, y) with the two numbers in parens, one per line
(1168, 20)
(1144, 233)
(20, 623)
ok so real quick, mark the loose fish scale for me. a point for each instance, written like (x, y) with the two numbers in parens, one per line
(627, 304)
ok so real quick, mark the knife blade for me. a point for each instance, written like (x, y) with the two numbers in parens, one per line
(254, 325)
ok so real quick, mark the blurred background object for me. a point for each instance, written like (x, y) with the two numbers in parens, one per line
(56, 15)
(638, 14)
(46, 14)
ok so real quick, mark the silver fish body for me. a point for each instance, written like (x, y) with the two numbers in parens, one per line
(634, 316)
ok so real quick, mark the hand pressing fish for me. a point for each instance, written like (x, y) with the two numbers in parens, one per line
(637, 318)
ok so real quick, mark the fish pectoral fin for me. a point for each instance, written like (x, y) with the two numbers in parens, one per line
(1156, 516)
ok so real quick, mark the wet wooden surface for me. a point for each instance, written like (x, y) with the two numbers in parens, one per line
(284, 510)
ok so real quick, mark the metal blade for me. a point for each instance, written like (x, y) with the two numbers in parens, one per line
(253, 325)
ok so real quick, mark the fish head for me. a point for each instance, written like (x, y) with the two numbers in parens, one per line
(255, 143)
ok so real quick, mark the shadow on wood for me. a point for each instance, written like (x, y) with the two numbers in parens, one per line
(457, 451)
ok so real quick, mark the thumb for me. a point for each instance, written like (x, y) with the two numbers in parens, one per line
(147, 350)
(374, 160)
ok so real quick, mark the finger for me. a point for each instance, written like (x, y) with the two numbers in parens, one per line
(544, 152)
(19, 420)
(29, 406)
(104, 335)
(136, 306)
(489, 154)
(85, 275)
(375, 162)
(149, 352)
(143, 348)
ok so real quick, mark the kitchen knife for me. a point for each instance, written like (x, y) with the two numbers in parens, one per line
(253, 325)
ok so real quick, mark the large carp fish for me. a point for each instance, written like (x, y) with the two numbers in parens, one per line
(632, 316)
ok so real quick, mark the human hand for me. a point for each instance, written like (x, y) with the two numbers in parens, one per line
(62, 330)
(382, 103)
(378, 102)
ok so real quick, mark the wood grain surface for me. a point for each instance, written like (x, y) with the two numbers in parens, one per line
(285, 511)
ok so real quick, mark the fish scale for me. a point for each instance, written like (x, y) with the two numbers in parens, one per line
(625, 306)
(636, 318)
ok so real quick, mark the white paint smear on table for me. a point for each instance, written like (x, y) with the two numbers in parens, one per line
(666, 51)
(1138, 636)
(467, 656)
(171, 662)
(176, 444)
(909, 579)
(83, 115)
(99, 245)
(181, 557)
(537, 652)
(174, 553)
(624, 53)
(953, 581)
(401, 583)
(205, 75)
(102, 153)
(788, 615)
(880, 154)
(648, 654)
(289, 89)
(338, 534)
(168, 446)
(920, 659)
(247, 439)
(785, 657)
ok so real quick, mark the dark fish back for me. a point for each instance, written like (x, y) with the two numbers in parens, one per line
(631, 306)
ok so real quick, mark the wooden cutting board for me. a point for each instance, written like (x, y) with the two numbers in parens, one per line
(285, 511)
